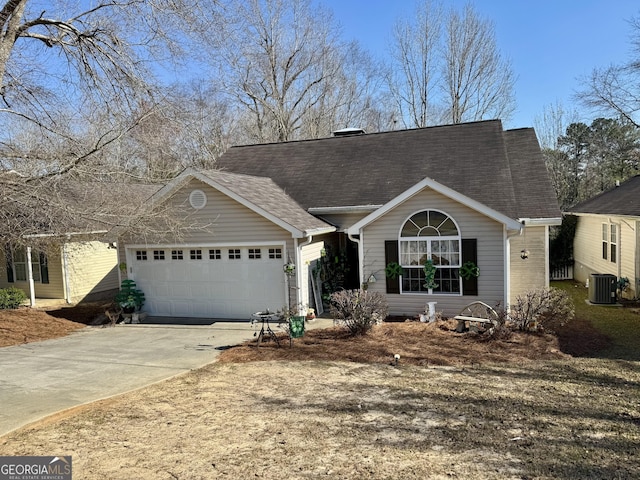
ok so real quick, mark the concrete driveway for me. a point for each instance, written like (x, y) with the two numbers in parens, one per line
(38, 379)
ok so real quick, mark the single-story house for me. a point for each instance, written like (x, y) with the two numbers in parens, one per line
(76, 270)
(453, 194)
(607, 238)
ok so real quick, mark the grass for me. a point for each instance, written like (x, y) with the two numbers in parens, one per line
(499, 409)
(620, 324)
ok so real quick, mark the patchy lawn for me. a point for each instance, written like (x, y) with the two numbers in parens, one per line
(456, 406)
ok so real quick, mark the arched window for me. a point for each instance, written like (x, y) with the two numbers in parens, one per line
(430, 235)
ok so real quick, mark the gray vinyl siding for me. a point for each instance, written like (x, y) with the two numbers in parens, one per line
(227, 223)
(529, 274)
(587, 249)
(224, 221)
(488, 232)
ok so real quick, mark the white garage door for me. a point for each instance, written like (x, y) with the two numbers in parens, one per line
(210, 282)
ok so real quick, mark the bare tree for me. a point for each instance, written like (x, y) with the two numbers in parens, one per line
(71, 83)
(413, 76)
(478, 82)
(615, 90)
(447, 68)
(553, 123)
(285, 66)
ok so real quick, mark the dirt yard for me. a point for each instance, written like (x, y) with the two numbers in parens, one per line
(455, 406)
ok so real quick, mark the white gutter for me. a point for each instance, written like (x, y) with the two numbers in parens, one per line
(44, 235)
(341, 209)
(538, 222)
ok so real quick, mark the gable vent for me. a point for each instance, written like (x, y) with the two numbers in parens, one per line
(197, 199)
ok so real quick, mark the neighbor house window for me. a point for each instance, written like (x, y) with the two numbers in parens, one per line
(430, 235)
(275, 253)
(215, 254)
(195, 254)
(141, 254)
(610, 242)
(39, 267)
(234, 254)
(255, 253)
(158, 254)
(177, 255)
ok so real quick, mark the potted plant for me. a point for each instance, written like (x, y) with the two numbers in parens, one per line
(130, 298)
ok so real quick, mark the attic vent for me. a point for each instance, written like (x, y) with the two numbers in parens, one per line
(345, 132)
(197, 199)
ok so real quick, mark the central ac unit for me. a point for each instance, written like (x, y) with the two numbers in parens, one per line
(602, 288)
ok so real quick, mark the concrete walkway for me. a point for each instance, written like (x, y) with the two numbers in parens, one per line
(42, 378)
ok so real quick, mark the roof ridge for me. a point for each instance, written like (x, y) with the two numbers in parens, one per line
(428, 127)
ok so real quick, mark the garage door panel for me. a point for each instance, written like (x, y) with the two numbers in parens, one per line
(216, 288)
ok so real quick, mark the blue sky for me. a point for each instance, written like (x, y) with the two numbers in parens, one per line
(551, 43)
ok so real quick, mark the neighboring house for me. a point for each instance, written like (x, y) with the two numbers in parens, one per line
(455, 194)
(80, 264)
(79, 269)
(607, 238)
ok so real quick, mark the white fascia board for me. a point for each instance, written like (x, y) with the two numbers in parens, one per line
(295, 232)
(510, 223)
(319, 231)
(343, 209)
(171, 187)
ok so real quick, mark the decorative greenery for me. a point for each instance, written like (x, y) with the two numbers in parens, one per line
(129, 297)
(430, 275)
(469, 270)
(289, 269)
(11, 298)
(296, 326)
(393, 270)
(561, 242)
(331, 269)
(623, 284)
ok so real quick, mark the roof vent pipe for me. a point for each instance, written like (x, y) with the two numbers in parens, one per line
(345, 132)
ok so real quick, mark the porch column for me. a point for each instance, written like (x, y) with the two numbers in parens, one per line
(32, 287)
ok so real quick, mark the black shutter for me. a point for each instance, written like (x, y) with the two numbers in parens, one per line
(44, 268)
(470, 254)
(391, 255)
(9, 258)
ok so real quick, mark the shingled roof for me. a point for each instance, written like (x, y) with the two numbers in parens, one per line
(622, 200)
(503, 170)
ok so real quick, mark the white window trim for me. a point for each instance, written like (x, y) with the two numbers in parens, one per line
(429, 239)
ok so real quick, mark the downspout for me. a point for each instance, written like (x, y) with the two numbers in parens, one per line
(358, 241)
(32, 286)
